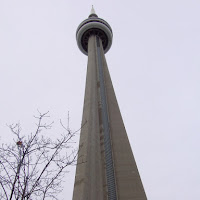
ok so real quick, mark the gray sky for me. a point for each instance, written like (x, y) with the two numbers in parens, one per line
(155, 68)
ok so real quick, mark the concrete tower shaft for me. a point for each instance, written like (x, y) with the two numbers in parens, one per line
(106, 168)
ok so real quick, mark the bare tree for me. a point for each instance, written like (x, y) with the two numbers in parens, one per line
(33, 166)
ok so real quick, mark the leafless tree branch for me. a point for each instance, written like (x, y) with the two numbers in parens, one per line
(33, 166)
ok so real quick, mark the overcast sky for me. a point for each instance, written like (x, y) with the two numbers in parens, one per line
(155, 68)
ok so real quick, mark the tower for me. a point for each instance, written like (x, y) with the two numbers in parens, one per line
(106, 168)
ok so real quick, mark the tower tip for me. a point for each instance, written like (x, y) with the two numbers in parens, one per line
(93, 13)
(92, 10)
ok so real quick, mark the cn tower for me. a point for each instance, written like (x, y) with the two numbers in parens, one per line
(106, 168)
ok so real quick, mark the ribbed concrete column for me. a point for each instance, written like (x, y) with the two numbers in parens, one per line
(91, 177)
(128, 182)
(88, 181)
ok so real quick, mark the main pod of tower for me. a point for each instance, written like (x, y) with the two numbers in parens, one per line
(106, 168)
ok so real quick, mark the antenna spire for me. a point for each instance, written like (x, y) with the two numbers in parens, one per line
(92, 10)
(93, 13)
